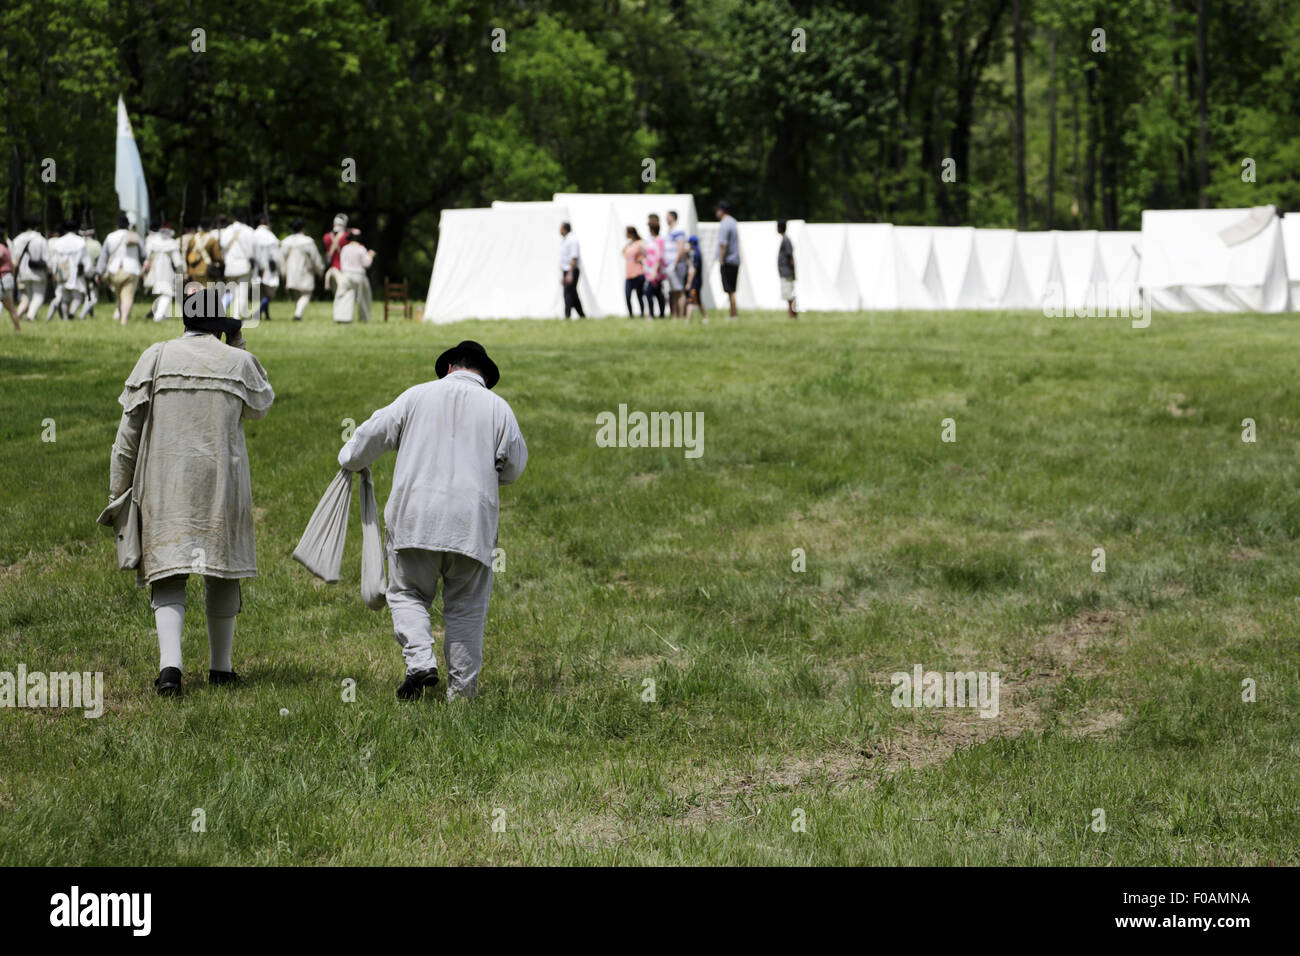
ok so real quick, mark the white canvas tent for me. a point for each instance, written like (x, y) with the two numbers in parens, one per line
(1291, 246)
(828, 242)
(499, 263)
(1214, 260)
(1082, 276)
(1120, 254)
(759, 286)
(957, 258)
(600, 222)
(1035, 267)
(914, 249)
(995, 249)
(884, 277)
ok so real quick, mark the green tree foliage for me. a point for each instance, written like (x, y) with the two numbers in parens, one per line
(845, 109)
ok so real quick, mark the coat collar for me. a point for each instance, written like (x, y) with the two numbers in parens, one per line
(467, 375)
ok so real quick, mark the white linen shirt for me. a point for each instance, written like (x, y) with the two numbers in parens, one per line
(569, 251)
(456, 444)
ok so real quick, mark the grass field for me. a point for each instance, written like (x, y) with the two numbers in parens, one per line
(1121, 691)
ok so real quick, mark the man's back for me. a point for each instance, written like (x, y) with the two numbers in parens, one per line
(456, 443)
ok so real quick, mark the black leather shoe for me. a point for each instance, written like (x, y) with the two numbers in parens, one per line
(224, 677)
(413, 686)
(168, 682)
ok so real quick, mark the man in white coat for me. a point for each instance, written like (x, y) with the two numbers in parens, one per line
(93, 249)
(302, 266)
(162, 269)
(269, 262)
(456, 444)
(120, 263)
(353, 290)
(30, 253)
(239, 253)
(69, 266)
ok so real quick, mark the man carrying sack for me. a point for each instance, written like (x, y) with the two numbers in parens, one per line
(456, 443)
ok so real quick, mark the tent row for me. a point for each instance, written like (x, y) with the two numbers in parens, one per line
(503, 262)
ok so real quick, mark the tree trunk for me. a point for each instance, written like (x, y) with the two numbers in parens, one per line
(1050, 218)
(1022, 200)
(1074, 165)
(1090, 155)
(1203, 137)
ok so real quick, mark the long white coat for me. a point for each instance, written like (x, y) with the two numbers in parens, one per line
(163, 254)
(195, 494)
(302, 262)
(37, 248)
(266, 254)
(70, 262)
(237, 250)
(456, 444)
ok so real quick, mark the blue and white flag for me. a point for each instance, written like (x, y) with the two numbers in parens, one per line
(132, 193)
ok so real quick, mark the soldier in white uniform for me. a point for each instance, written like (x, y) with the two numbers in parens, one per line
(270, 264)
(120, 263)
(93, 249)
(30, 252)
(238, 253)
(69, 266)
(302, 266)
(162, 269)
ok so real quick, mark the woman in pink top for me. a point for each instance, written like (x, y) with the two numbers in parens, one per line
(633, 254)
(7, 284)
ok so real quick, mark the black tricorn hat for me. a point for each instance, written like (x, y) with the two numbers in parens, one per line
(469, 350)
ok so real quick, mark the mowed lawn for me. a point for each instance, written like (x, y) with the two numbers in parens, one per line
(768, 734)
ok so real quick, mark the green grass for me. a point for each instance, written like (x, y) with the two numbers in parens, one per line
(1121, 691)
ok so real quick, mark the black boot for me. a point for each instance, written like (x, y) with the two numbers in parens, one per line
(217, 678)
(168, 682)
(413, 686)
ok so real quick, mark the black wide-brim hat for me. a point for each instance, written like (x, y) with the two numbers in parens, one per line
(469, 349)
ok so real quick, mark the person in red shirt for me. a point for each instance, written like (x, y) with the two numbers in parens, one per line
(334, 241)
(7, 284)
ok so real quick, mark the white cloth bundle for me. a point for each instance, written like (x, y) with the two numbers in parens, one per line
(320, 550)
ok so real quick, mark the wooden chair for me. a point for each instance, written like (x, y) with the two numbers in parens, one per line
(395, 293)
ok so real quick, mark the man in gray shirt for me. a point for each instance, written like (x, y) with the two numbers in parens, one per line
(785, 268)
(728, 253)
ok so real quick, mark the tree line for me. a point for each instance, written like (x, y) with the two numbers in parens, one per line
(1019, 113)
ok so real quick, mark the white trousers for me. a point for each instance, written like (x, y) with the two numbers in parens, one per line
(413, 576)
(31, 296)
(353, 291)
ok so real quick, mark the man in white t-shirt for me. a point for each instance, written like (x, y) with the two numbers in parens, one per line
(570, 269)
